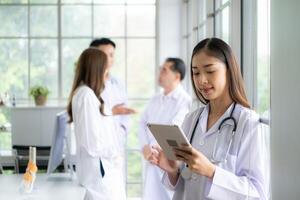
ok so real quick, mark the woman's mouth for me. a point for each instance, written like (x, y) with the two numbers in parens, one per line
(207, 90)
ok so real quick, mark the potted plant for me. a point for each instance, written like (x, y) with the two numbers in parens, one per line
(39, 93)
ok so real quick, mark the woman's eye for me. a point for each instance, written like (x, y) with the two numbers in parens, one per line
(210, 72)
(196, 73)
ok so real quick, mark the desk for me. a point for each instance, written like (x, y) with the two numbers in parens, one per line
(57, 187)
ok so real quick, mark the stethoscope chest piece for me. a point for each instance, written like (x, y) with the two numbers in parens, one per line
(187, 174)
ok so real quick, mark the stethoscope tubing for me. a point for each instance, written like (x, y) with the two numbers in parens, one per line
(220, 126)
(184, 171)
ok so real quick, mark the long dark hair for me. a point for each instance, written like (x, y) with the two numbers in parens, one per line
(219, 49)
(90, 71)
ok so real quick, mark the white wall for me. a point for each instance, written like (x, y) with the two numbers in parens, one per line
(285, 99)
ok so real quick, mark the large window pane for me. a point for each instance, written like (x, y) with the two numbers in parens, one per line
(109, 21)
(263, 55)
(14, 67)
(5, 139)
(209, 6)
(225, 24)
(184, 51)
(220, 3)
(134, 174)
(132, 140)
(43, 21)
(110, 1)
(134, 168)
(71, 50)
(76, 20)
(13, 1)
(194, 4)
(194, 37)
(225, 1)
(16, 21)
(76, 1)
(134, 191)
(141, 67)
(185, 22)
(209, 26)
(202, 32)
(119, 67)
(141, 1)
(202, 11)
(141, 20)
(43, 1)
(222, 24)
(44, 64)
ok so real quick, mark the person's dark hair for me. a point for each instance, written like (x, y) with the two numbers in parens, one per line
(177, 66)
(102, 41)
(89, 71)
(219, 49)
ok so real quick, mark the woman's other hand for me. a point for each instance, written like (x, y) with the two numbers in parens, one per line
(196, 161)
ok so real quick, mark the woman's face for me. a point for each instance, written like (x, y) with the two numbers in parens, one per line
(209, 76)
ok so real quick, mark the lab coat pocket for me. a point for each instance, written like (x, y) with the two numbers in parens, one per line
(230, 163)
(89, 169)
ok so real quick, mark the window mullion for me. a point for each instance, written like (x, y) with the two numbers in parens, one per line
(59, 40)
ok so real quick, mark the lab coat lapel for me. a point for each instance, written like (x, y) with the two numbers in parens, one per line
(214, 128)
(194, 121)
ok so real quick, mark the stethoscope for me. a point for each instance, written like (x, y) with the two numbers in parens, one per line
(217, 157)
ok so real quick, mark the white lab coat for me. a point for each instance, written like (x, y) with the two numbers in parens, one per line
(115, 93)
(96, 139)
(245, 175)
(162, 109)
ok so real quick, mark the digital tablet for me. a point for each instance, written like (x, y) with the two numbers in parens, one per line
(168, 137)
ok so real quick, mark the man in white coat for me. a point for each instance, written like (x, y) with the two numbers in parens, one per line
(168, 107)
(115, 98)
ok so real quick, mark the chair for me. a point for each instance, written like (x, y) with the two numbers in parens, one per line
(59, 140)
(8, 157)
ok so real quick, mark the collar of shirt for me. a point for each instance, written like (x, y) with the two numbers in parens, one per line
(175, 94)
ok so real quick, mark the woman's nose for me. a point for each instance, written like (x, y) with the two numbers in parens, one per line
(202, 80)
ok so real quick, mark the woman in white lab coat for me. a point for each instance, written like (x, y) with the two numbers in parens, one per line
(98, 165)
(218, 165)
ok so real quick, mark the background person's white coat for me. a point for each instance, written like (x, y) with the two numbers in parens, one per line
(115, 93)
(162, 109)
(96, 138)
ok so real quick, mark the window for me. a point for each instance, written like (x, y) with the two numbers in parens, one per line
(263, 56)
(256, 51)
(41, 40)
(207, 18)
(222, 15)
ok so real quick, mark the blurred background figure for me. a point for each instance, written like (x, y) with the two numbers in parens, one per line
(98, 166)
(168, 107)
